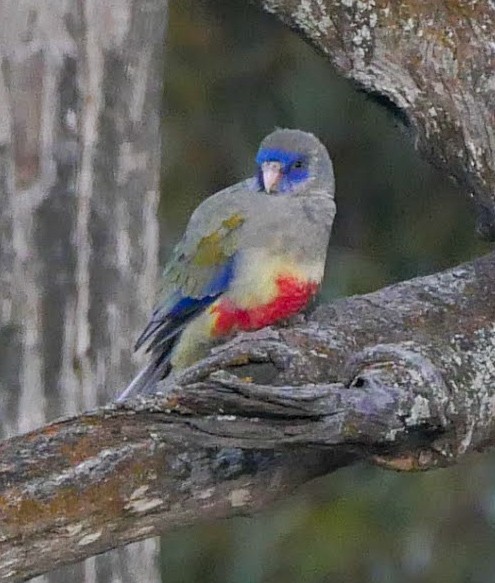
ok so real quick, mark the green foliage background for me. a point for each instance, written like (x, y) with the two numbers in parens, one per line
(232, 75)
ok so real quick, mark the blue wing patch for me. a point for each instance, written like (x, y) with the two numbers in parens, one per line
(166, 325)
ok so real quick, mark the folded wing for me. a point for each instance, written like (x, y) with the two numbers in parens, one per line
(200, 270)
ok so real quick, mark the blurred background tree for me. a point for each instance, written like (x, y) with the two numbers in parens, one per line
(232, 74)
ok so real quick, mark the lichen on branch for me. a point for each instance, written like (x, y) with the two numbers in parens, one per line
(434, 61)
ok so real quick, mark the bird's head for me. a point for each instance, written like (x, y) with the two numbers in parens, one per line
(292, 162)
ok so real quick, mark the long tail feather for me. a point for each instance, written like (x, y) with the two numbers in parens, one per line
(145, 382)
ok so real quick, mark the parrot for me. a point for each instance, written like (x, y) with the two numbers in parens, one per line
(252, 255)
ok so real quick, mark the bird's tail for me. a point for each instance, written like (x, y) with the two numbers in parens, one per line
(146, 381)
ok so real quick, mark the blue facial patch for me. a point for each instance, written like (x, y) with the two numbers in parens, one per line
(294, 167)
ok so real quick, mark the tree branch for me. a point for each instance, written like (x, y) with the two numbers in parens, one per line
(402, 377)
(434, 61)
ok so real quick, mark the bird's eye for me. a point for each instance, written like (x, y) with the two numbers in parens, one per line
(297, 165)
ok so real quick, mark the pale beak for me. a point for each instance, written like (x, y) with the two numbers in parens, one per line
(272, 174)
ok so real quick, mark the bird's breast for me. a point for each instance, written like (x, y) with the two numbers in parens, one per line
(266, 289)
(292, 296)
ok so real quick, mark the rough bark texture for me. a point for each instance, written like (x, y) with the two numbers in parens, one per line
(403, 377)
(79, 167)
(80, 97)
(434, 61)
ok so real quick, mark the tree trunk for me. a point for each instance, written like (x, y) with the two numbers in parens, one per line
(80, 94)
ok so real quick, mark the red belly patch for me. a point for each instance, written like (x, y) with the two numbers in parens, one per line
(292, 295)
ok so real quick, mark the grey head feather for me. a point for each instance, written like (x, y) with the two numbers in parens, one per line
(321, 177)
